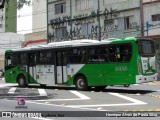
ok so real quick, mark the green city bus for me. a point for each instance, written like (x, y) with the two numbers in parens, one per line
(83, 63)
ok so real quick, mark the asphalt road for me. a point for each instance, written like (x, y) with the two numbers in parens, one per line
(60, 102)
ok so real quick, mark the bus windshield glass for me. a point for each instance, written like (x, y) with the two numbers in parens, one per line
(146, 48)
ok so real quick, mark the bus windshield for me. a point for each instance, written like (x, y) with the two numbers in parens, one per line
(146, 48)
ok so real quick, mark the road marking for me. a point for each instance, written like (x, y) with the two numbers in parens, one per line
(134, 102)
(12, 90)
(80, 95)
(42, 92)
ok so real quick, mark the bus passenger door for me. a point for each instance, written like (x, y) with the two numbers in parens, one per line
(32, 67)
(61, 67)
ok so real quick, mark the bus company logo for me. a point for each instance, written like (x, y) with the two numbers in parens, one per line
(21, 101)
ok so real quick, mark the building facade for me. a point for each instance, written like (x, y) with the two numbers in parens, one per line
(151, 21)
(93, 19)
(39, 15)
(9, 41)
(39, 24)
(151, 11)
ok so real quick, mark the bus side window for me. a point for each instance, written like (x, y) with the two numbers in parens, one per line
(8, 60)
(22, 59)
(84, 56)
(14, 60)
(127, 55)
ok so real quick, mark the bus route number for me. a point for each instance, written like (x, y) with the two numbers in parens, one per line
(121, 68)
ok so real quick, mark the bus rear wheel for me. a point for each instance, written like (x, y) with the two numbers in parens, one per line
(81, 83)
(22, 81)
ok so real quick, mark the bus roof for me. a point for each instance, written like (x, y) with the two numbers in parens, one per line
(73, 43)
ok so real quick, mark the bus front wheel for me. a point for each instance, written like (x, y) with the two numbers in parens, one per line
(22, 81)
(81, 83)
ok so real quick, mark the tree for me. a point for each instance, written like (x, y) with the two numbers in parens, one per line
(2, 5)
(21, 3)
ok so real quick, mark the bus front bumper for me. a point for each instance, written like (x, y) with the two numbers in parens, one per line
(143, 79)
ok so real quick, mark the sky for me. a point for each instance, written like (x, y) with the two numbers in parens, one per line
(24, 20)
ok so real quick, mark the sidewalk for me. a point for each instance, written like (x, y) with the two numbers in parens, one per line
(153, 83)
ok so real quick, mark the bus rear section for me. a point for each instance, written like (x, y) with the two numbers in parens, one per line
(146, 61)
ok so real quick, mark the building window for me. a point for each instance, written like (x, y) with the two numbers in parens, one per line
(61, 32)
(86, 28)
(156, 17)
(60, 8)
(84, 4)
(124, 23)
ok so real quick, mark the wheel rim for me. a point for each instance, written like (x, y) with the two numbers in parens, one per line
(80, 83)
(21, 81)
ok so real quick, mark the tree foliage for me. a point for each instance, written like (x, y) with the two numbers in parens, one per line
(21, 3)
(2, 5)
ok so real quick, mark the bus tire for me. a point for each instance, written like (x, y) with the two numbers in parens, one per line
(81, 83)
(22, 81)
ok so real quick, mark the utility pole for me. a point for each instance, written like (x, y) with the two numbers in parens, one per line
(99, 23)
(71, 19)
(142, 18)
(148, 25)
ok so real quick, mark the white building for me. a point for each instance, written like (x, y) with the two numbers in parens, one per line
(39, 15)
(74, 19)
(9, 41)
(39, 24)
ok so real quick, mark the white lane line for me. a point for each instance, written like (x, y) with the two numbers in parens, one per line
(42, 92)
(84, 97)
(128, 98)
(12, 90)
(42, 118)
(135, 84)
(134, 102)
(80, 95)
